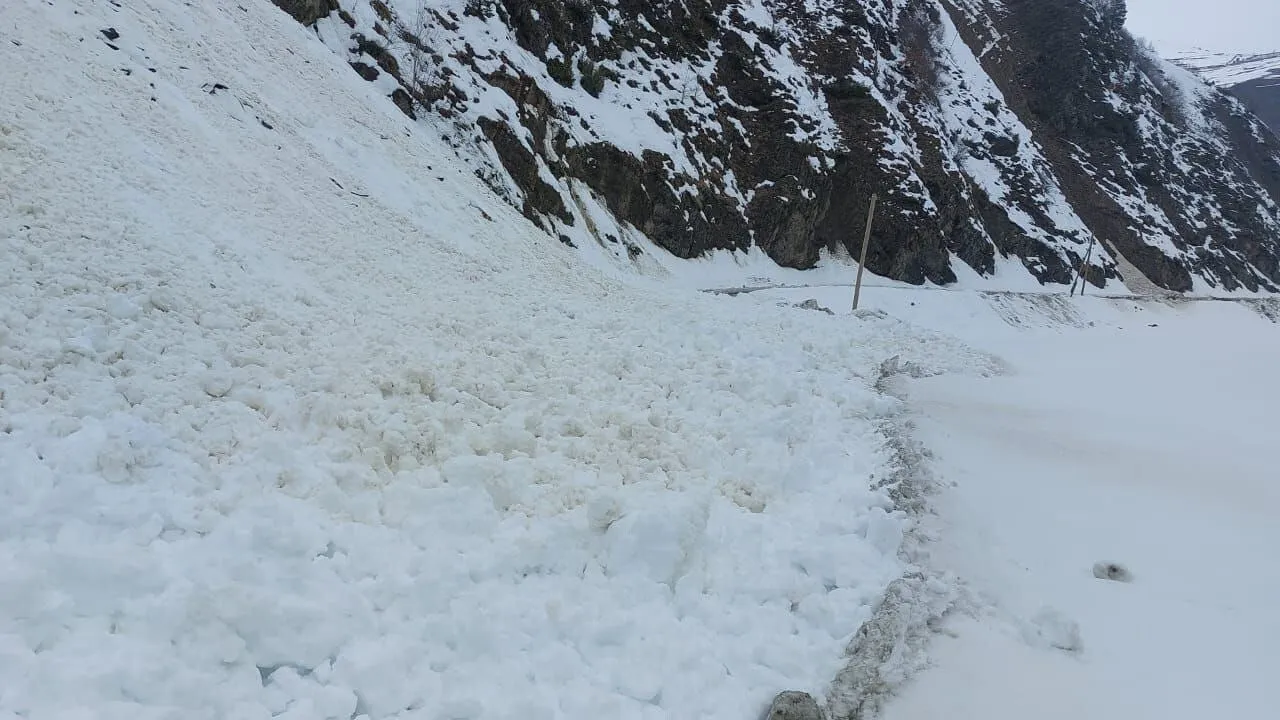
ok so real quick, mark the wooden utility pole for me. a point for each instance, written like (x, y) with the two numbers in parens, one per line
(1083, 264)
(862, 259)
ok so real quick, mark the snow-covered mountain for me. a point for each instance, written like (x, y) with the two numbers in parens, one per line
(994, 131)
(1255, 79)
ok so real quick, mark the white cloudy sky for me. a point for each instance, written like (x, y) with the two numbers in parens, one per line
(1219, 25)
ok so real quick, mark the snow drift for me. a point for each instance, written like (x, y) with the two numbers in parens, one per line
(297, 420)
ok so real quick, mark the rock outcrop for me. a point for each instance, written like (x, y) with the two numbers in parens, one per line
(307, 12)
(995, 133)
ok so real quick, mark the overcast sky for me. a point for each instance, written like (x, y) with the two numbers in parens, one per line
(1219, 25)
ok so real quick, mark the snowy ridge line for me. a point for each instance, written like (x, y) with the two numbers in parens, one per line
(890, 647)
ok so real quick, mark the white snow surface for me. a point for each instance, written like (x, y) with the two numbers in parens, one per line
(298, 420)
(1132, 432)
(1230, 69)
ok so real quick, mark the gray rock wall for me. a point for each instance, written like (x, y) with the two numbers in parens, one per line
(1024, 130)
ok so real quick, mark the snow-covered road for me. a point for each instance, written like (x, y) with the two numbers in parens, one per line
(1152, 447)
(1125, 432)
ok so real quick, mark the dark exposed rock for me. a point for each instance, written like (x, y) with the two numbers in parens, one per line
(365, 70)
(794, 705)
(638, 191)
(1001, 145)
(775, 131)
(404, 102)
(307, 12)
(382, 11)
(522, 166)
(379, 53)
(1056, 71)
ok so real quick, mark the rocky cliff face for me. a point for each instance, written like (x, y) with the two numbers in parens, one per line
(995, 133)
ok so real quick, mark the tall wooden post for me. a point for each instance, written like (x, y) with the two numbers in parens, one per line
(1083, 264)
(862, 259)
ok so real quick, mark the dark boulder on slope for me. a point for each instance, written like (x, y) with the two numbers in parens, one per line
(307, 12)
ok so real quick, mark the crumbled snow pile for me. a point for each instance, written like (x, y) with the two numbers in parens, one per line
(297, 420)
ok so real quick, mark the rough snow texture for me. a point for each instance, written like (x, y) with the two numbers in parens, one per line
(297, 420)
(990, 130)
(891, 646)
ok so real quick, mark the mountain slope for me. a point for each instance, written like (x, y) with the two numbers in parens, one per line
(297, 420)
(1255, 79)
(729, 124)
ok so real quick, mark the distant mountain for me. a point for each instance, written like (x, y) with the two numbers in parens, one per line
(1255, 79)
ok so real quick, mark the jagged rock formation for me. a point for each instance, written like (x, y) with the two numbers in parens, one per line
(995, 132)
(1177, 178)
(307, 12)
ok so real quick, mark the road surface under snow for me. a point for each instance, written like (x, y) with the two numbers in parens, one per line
(1136, 433)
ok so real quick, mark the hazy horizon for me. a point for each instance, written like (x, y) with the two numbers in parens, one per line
(1244, 26)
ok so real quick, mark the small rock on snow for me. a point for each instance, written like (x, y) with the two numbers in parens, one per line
(793, 705)
(1112, 571)
(812, 304)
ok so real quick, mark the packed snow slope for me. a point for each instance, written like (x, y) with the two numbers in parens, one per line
(298, 420)
(1132, 433)
(989, 129)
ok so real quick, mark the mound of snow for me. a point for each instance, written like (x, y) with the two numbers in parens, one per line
(297, 421)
